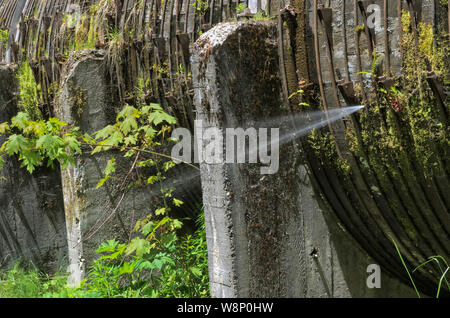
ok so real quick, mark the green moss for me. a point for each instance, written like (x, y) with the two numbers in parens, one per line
(4, 35)
(421, 107)
(78, 101)
(324, 147)
(261, 16)
(406, 120)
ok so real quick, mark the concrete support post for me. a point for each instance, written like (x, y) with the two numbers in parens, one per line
(93, 215)
(253, 224)
(268, 235)
(83, 101)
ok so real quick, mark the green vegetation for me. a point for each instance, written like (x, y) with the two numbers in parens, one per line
(201, 7)
(403, 124)
(29, 282)
(324, 147)
(400, 140)
(261, 16)
(240, 7)
(4, 35)
(37, 141)
(29, 92)
(157, 262)
(441, 263)
(411, 108)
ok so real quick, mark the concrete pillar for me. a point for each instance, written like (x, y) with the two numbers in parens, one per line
(252, 220)
(32, 225)
(93, 215)
(268, 235)
(85, 100)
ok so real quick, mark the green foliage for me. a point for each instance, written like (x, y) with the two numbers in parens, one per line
(324, 147)
(200, 6)
(116, 42)
(81, 29)
(37, 141)
(29, 92)
(137, 132)
(298, 92)
(20, 282)
(156, 263)
(403, 127)
(4, 35)
(240, 7)
(444, 271)
(189, 275)
(414, 102)
(134, 127)
(261, 16)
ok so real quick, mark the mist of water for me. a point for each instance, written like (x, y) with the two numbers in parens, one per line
(306, 122)
(291, 127)
(295, 126)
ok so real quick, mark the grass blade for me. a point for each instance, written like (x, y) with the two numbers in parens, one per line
(404, 265)
(440, 282)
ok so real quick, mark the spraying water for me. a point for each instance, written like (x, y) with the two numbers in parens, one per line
(293, 127)
(287, 129)
(302, 124)
(304, 119)
(305, 123)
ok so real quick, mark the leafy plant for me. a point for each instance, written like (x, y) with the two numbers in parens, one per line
(189, 276)
(157, 263)
(200, 6)
(240, 7)
(37, 141)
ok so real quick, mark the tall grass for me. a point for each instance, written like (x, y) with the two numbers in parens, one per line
(438, 259)
(29, 282)
(29, 91)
